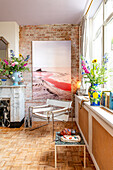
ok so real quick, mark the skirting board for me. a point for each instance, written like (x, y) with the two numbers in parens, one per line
(16, 124)
(37, 120)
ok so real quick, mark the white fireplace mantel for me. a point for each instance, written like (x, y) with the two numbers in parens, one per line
(16, 94)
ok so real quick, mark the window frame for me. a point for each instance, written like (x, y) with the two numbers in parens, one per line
(104, 23)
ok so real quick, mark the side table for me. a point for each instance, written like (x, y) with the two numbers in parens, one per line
(59, 143)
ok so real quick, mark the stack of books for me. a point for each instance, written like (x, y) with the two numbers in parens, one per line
(107, 100)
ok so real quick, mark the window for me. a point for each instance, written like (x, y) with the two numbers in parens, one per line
(108, 40)
(97, 48)
(99, 37)
(102, 37)
(108, 8)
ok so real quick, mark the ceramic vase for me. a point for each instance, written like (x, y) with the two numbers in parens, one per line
(15, 77)
(95, 95)
(21, 81)
(3, 81)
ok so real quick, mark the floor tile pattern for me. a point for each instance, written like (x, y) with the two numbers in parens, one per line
(22, 149)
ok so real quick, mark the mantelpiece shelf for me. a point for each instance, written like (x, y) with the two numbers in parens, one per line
(11, 86)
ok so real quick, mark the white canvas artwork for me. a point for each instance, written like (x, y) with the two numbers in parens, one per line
(51, 62)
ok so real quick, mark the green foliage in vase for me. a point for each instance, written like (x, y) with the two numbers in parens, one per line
(97, 73)
(13, 64)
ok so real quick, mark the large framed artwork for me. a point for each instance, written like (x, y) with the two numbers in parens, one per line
(51, 61)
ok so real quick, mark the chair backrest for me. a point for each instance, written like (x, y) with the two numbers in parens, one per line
(59, 103)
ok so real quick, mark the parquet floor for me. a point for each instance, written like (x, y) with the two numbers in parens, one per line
(21, 149)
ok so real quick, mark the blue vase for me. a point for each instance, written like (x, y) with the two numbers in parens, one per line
(21, 81)
(95, 95)
(15, 78)
(4, 81)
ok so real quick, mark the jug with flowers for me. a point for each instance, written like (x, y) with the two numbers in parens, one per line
(13, 67)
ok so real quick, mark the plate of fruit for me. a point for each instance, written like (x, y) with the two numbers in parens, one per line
(70, 138)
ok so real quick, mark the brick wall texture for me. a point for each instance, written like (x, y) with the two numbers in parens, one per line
(29, 33)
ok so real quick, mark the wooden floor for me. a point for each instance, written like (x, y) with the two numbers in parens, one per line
(21, 149)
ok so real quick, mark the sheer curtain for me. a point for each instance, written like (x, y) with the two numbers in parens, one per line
(84, 48)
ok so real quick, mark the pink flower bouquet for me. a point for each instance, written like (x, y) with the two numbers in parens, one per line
(8, 67)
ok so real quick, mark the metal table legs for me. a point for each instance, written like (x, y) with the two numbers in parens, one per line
(70, 145)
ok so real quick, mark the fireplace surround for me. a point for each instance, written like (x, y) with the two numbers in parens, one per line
(5, 112)
(12, 105)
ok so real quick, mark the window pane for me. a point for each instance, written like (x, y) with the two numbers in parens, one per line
(108, 8)
(109, 49)
(97, 49)
(97, 20)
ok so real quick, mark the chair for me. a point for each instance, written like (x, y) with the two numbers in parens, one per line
(53, 109)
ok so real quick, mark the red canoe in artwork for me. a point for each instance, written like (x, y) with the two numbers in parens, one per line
(61, 85)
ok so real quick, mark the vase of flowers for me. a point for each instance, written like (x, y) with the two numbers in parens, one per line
(96, 76)
(13, 67)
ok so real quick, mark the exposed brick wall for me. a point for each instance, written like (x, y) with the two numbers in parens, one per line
(31, 33)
